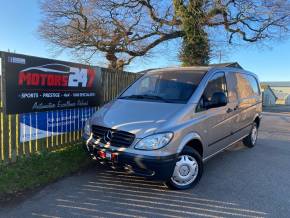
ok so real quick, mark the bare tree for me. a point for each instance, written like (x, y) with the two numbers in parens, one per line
(237, 20)
(125, 29)
(122, 30)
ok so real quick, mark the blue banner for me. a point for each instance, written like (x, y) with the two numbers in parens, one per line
(45, 124)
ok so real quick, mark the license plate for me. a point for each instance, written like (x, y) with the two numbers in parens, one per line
(107, 155)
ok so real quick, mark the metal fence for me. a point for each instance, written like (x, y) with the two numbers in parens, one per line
(11, 148)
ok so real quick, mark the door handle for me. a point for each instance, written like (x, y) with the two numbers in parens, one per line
(229, 110)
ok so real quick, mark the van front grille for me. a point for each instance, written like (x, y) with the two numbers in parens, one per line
(117, 138)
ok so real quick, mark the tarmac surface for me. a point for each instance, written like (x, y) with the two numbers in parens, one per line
(238, 182)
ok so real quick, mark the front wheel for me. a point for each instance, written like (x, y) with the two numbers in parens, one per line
(188, 170)
(251, 139)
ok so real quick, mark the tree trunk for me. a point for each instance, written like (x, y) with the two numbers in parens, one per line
(112, 59)
(195, 49)
(195, 46)
(114, 63)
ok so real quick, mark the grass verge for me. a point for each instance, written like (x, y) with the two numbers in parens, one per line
(40, 169)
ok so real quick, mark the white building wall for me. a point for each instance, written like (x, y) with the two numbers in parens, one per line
(287, 102)
(268, 98)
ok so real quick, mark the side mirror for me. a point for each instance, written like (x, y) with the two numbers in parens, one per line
(218, 99)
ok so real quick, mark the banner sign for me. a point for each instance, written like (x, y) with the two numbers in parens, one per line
(32, 84)
(45, 124)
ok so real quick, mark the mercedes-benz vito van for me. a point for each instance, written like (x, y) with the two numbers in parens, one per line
(169, 121)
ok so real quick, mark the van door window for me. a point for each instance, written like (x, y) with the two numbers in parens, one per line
(216, 86)
(232, 87)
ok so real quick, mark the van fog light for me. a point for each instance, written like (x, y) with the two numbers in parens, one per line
(154, 142)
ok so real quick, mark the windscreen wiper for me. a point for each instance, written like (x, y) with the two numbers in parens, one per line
(132, 96)
(154, 97)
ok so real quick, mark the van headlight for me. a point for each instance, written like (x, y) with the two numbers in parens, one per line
(154, 142)
(87, 128)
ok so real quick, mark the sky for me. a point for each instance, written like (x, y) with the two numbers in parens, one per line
(19, 21)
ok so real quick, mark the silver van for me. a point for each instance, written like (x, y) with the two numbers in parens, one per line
(169, 121)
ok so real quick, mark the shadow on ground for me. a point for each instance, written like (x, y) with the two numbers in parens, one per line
(115, 193)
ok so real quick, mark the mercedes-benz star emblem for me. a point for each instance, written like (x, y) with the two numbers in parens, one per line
(108, 136)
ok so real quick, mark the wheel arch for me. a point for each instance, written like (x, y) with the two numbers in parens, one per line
(257, 120)
(192, 140)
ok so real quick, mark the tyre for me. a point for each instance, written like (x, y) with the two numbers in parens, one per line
(188, 170)
(251, 140)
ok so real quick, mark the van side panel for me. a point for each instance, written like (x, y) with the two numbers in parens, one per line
(249, 100)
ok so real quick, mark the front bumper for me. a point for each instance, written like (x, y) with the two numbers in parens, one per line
(158, 168)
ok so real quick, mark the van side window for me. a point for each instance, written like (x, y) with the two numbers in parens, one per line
(217, 84)
(254, 84)
(247, 85)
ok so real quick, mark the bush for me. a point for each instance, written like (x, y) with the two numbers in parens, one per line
(41, 169)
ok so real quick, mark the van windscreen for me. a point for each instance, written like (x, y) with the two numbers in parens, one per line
(165, 86)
